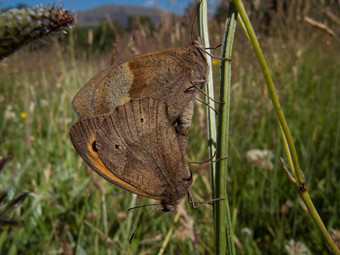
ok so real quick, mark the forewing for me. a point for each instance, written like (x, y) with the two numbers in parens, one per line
(83, 101)
(164, 75)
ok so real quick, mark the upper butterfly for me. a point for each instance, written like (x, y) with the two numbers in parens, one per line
(170, 75)
(136, 148)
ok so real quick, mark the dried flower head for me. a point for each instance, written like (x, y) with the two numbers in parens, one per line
(21, 26)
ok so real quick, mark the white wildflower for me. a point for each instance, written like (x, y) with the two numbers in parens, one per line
(260, 158)
(296, 248)
(247, 232)
(44, 103)
(9, 114)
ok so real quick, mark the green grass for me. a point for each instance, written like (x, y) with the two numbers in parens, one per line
(72, 210)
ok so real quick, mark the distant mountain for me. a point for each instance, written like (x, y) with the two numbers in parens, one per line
(119, 13)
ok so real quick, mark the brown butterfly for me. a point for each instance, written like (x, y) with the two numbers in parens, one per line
(136, 148)
(170, 75)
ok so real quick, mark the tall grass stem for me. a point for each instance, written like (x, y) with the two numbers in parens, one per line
(223, 225)
(211, 117)
(300, 180)
(272, 93)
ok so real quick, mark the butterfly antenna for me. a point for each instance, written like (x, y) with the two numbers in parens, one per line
(192, 202)
(140, 206)
(213, 48)
(142, 223)
(212, 56)
(205, 49)
(193, 21)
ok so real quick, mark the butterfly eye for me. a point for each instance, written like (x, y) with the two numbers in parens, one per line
(117, 146)
(94, 146)
(141, 120)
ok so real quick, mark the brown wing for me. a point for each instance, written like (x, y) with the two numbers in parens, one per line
(135, 147)
(82, 135)
(139, 145)
(83, 101)
(166, 74)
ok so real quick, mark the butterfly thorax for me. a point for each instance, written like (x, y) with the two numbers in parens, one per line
(198, 62)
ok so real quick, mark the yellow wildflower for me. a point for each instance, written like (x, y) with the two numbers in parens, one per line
(22, 115)
(214, 62)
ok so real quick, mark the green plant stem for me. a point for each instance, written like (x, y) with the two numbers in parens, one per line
(300, 181)
(211, 118)
(270, 85)
(168, 235)
(286, 146)
(128, 230)
(220, 244)
(223, 226)
(211, 115)
(311, 208)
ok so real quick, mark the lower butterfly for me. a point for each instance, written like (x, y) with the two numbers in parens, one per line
(136, 148)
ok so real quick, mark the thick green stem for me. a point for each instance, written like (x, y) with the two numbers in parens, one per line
(223, 222)
(211, 116)
(287, 138)
(311, 208)
(270, 85)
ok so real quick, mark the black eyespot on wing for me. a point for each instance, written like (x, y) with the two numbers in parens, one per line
(117, 146)
(141, 120)
(94, 146)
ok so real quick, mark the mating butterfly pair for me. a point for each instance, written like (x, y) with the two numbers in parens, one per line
(133, 121)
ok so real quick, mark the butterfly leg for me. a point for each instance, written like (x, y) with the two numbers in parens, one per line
(210, 202)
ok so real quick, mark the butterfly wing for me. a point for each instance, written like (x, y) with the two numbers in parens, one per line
(83, 101)
(135, 147)
(165, 74)
(138, 143)
(82, 135)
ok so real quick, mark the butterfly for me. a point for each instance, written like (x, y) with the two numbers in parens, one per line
(172, 75)
(136, 147)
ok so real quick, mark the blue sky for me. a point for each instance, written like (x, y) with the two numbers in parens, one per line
(176, 6)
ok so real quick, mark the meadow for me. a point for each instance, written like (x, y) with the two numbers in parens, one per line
(71, 210)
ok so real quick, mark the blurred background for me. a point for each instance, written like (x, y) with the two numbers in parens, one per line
(51, 202)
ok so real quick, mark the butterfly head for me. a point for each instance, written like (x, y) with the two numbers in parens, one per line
(174, 194)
